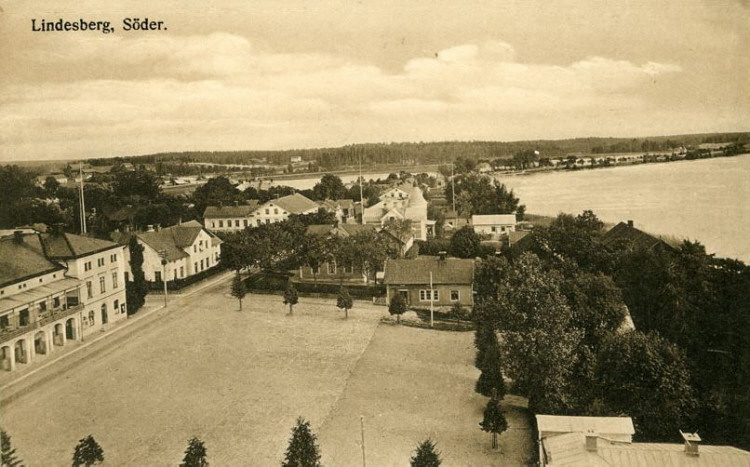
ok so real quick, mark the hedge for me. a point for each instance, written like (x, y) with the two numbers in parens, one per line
(277, 281)
(179, 284)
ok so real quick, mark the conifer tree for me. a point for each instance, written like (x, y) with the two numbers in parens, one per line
(494, 420)
(490, 382)
(291, 297)
(137, 288)
(426, 455)
(195, 454)
(238, 288)
(88, 452)
(344, 301)
(7, 452)
(303, 449)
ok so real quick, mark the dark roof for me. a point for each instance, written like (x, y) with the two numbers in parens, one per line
(23, 260)
(625, 233)
(67, 245)
(341, 229)
(295, 204)
(172, 239)
(230, 211)
(125, 213)
(417, 271)
(354, 229)
(320, 229)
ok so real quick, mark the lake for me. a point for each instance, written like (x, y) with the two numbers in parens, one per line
(706, 200)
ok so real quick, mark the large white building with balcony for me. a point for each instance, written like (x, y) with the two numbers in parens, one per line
(56, 288)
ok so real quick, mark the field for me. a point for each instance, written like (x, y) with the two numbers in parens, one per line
(238, 380)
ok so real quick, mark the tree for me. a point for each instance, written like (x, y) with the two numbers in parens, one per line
(329, 187)
(397, 306)
(291, 297)
(51, 185)
(238, 288)
(7, 452)
(216, 191)
(646, 377)
(344, 301)
(195, 454)
(303, 449)
(490, 382)
(137, 288)
(465, 243)
(426, 455)
(140, 183)
(493, 420)
(88, 452)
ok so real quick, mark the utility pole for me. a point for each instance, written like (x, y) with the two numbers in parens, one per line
(453, 192)
(82, 202)
(361, 196)
(432, 299)
(362, 430)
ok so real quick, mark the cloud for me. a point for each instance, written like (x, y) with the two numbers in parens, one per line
(215, 90)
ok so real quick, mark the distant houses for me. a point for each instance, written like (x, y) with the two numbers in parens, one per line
(494, 225)
(404, 203)
(188, 249)
(440, 281)
(229, 218)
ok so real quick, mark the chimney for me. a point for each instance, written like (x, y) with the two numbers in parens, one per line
(591, 440)
(442, 255)
(692, 441)
(630, 223)
(18, 236)
(150, 228)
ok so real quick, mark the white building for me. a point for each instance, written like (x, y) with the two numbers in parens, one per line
(56, 288)
(237, 218)
(187, 247)
(397, 204)
(494, 225)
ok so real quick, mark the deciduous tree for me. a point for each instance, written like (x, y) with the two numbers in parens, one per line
(465, 243)
(344, 301)
(291, 297)
(397, 306)
(238, 288)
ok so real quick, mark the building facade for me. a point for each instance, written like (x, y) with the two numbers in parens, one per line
(54, 289)
(431, 281)
(237, 218)
(494, 225)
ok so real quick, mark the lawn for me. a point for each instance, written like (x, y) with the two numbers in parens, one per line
(412, 384)
(238, 380)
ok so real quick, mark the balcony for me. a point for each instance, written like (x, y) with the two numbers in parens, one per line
(43, 318)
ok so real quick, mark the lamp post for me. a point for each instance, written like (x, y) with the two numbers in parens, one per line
(163, 256)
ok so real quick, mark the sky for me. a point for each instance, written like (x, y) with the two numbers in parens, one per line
(252, 74)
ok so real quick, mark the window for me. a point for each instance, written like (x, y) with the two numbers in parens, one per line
(113, 258)
(424, 295)
(315, 269)
(91, 318)
(114, 280)
(494, 229)
(102, 287)
(455, 296)
(100, 262)
(23, 317)
(40, 279)
(43, 306)
(349, 269)
(237, 223)
(245, 222)
(87, 266)
(4, 322)
(195, 267)
(195, 248)
(201, 265)
(221, 223)
(213, 224)
(258, 221)
(157, 276)
(117, 306)
(127, 276)
(89, 289)
(56, 302)
(268, 211)
(331, 268)
(175, 274)
(275, 210)
(182, 271)
(268, 221)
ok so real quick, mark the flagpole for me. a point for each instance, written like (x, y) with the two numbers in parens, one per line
(83, 202)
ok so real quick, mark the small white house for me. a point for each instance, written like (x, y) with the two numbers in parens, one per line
(494, 225)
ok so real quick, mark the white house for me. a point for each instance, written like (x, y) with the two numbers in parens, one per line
(187, 247)
(278, 210)
(229, 218)
(397, 204)
(494, 225)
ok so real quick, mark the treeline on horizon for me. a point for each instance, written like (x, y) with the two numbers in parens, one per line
(434, 152)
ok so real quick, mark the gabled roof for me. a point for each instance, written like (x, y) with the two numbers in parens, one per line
(23, 260)
(171, 240)
(354, 229)
(213, 212)
(493, 219)
(626, 233)
(572, 424)
(295, 204)
(417, 271)
(69, 246)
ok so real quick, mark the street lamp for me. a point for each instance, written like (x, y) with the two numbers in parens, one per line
(163, 256)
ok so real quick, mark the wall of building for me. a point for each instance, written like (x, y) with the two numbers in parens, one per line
(414, 299)
(227, 224)
(330, 272)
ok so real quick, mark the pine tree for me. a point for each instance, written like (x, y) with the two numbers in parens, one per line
(426, 455)
(397, 306)
(88, 452)
(291, 297)
(484, 337)
(137, 289)
(303, 449)
(238, 288)
(195, 454)
(494, 420)
(344, 301)
(7, 452)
